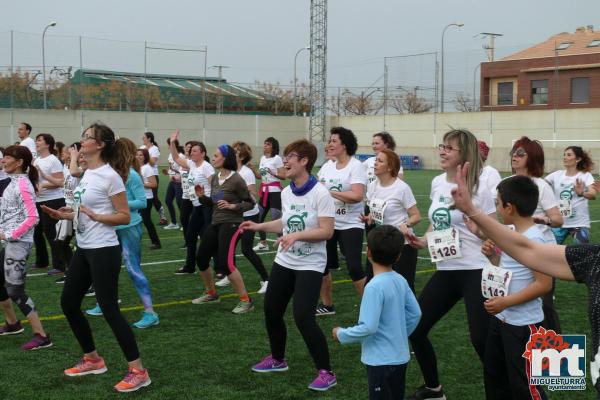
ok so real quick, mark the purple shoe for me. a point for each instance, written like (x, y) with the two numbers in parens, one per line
(324, 381)
(269, 364)
(11, 329)
(38, 342)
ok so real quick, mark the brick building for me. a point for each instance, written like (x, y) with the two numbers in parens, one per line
(562, 72)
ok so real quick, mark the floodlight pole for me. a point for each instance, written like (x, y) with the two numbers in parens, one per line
(51, 24)
(296, 81)
(457, 24)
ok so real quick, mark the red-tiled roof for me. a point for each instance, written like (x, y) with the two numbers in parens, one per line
(579, 42)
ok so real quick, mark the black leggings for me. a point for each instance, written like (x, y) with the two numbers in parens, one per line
(101, 267)
(440, 294)
(155, 199)
(147, 218)
(247, 243)
(186, 213)
(273, 203)
(174, 192)
(551, 320)
(304, 287)
(351, 241)
(215, 241)
(60, 250)
(405, 266)
(199, 220)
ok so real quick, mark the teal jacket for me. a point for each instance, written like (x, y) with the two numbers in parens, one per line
(136, 198)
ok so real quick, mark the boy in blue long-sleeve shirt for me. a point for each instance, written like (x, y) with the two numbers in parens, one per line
(389, 312)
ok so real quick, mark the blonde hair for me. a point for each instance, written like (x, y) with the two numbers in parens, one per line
(127, 151)
(469, 152)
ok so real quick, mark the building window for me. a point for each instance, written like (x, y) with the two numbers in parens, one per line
(580, 90)
(505, 93)
(594, 43)
(564, 45)
(539, 91)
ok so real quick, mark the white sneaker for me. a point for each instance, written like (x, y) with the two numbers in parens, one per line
(263, 287)
(261, 247)
(223, 282)
(171, 226)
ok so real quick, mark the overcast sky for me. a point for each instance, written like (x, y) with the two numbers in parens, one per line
(257, 39)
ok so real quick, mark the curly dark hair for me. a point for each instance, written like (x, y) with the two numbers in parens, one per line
(347, 137)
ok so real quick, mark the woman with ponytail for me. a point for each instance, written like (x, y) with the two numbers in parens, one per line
(100, 205)
(50, 194)
(18, 217)
(573, 187)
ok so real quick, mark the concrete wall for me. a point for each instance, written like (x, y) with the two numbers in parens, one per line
(416, 134)
(419, 134)
(66, 127)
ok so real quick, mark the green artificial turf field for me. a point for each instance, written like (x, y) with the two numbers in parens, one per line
(205, 352)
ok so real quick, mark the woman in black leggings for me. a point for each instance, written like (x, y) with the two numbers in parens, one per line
(150, 184)
(100, 204)
(152, 147)
(243, 154)
(459, 260)
(306, 224)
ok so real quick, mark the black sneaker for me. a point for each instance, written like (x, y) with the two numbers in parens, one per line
(424, 393)
(60, 281)
(322, 309)
(91, 292)
(184, 271)
(155, 246)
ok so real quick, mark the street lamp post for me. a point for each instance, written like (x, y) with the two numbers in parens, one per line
(458, 24)
(296, 80)
(53, 23)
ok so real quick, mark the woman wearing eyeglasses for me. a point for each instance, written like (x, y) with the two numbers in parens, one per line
(307, 222)
(457, 253)
(573, 187)
(18, 217)
(100, 205)
(527, 158)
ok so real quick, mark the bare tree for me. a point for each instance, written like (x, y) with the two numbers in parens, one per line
(410, 104)
(464, 103)
(359, 104)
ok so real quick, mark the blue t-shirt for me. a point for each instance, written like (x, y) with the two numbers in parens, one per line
(530, 312)
(136, 198)
(389, 313)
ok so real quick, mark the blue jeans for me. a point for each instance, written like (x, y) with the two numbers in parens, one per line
(131, 240)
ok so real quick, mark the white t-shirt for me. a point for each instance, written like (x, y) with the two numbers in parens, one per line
(49, 165)
(147, 172)
(30, 144)
(94, 191)
(248, 176)
(490, 177)
(546, 201)
(270, 164)
(301, 213)
(442, 217)
(71, 183)
(525, 313)
(564, 188)
(394, 200)
(196, 176)
(347, 216)
(174, 168)
(154, 153)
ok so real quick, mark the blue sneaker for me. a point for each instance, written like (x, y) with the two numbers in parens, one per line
(96, 311)
(148, 319)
